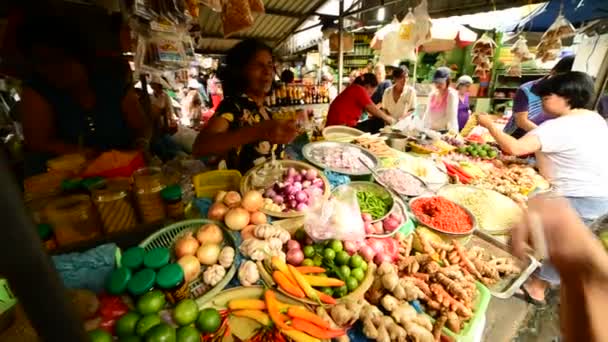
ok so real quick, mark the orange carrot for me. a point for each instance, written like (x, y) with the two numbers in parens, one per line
(280, 265)
(273, 310)
(315, 331)
(306, 315)
(287, 285)
(323, 281)
(310, 269)
(325, 298)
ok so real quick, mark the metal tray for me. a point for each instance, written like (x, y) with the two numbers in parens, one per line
(379, 181)
(506, 287)
(308, 148)
(439, 231)
(371, 187)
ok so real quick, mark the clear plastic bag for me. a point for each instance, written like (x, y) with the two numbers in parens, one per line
(215, 5)
(236, 16)
(339, 217)
(407, 28)
(422, 30)
(560, 28)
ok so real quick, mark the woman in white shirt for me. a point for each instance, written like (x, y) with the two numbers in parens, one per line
(442, 109)
(569, 151)
(399, 100)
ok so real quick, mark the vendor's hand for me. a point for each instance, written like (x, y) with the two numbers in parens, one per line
(485, 120)
(279, 131)
(390, 120)
(570, 245)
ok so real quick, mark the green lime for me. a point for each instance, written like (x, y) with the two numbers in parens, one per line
(318, 248)
(151, 302)
(344, 272)
(492, 153)
(188, 334)
(342, 258)
(161, 333)
(185, 312)
(130, 338)
(300, 235)
(328, 291)
(364, 266)
(317, 260)
(100, 335)
(340, 291)
(356, 261)
(462, 150)
(145, 323)
(208, 321)
(474, 154)
(308, 262)
(357, 273)
(336, 245)
(351, 283)
(309, 251)
(329, 254)
(483, 154)
(125, 326)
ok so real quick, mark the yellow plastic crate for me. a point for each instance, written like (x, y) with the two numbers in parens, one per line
(207, 184)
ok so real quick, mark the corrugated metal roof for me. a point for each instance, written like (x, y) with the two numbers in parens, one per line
(281, 18)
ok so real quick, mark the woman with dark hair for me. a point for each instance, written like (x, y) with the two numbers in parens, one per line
(462, 87)
(569, 150)
(348, 106)
(242, 128)
(442, 110)
(70, 102)
(400, 99)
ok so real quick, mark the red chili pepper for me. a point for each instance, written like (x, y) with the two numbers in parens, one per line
(112, 307)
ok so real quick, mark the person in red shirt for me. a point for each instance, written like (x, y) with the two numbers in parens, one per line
(348, 106)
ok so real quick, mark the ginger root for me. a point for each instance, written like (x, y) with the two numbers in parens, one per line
(444, 298)
(416, 325)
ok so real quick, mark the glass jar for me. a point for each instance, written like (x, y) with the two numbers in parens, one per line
(115, 209)
(157, 258)
(118, 281)
(141, 282)
(73, 219)
(170, 279)
(148, 185)
(172, 195)
(133, 258)
(45, 231)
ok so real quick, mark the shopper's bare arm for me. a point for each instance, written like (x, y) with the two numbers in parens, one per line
(522, 121)
(375, 111)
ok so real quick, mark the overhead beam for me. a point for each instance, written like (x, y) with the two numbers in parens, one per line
(288, 14)
(204, 35)
(303, 18)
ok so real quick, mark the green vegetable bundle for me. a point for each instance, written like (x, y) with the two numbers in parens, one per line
(373, 204)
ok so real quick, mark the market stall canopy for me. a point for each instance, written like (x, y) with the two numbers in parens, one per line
(445, 35)
(576, 11)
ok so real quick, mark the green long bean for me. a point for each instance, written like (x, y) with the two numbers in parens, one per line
(373, 204)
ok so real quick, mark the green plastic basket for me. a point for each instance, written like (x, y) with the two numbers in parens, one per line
(467, 334)
(167, 236)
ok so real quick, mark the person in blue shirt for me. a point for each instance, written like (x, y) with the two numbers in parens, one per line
(528, 107)
(383, 83)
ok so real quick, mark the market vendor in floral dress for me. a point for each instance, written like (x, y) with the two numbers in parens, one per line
(242, 129)
(569, 151)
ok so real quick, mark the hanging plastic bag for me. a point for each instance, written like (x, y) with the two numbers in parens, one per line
(422, 32)
(215, 5)
(257, 6)
(407, 28)
(521, 51)
(339, 218)
(560, 28)
(236, 16)
(379, 36)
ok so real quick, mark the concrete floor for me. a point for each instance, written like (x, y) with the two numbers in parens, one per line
(516, 320)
